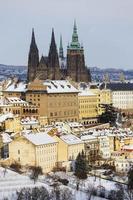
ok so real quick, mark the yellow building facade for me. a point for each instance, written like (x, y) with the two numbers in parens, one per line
(88, 107)
(104, 97)
(57, 100)
(69, 146)
(34, 149)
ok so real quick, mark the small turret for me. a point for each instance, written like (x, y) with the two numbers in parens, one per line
(61, 53)
(122, 77)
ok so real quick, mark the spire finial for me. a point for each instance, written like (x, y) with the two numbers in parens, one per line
(75, 43)
(33, 40)
(52, 37)
(75, 26)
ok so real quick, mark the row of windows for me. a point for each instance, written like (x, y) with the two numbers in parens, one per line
(90, 111)
(123, 93)
(16, 94)
(47, 159)
(88, 106)
(52, 114)
(46, 151)
(62, 104)
(34, 99)
(89, 122)
(34, 95)
(64, 120)
(63, 95)
(46, 145)
(35, 104)
(122, 165)
(88, 101)
(15, 112)
(30, 111)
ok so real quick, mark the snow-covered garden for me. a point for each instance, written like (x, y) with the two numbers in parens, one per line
(12, 182)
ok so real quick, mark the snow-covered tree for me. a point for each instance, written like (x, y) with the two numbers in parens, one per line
(66, 194)
(37, 193)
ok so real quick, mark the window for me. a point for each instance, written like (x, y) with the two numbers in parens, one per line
(55, 113)
(18, 151)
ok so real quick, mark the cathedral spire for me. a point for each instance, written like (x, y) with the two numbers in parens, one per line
(33, 59)
(53, 44)
(53, 60)
(33, 37)
(61, 54)
(75, 42)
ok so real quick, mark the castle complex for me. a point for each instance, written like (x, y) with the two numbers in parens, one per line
(58, 67)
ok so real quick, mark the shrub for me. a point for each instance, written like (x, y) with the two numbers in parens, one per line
(63, 181)
(16, 166)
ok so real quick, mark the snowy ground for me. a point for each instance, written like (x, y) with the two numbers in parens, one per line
(10, 182)
(91, 180)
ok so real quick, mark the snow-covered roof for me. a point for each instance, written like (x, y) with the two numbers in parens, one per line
(16, 87)
(6, 138)
(75, 124)
(128, 147)
(71, 139)
(86, 93)
(40, 138)
(88, 137)
(59, 86)
(29, 121)
(17, 100)
(3, 117)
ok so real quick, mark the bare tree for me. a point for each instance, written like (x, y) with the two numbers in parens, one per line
(91, 191)
(55, 194)
(35, 172)
(66, 194)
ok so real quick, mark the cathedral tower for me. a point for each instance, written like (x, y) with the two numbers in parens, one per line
(42, 69)
(76, 68)
(33, 59)
(53, 60)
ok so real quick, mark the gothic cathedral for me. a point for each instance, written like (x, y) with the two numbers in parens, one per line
(56, 67)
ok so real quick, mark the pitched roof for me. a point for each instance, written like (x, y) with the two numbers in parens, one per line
(59, 86)
(40, 138)
(71, 139)
(119, 86)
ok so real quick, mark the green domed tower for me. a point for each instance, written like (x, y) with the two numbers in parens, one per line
(76, 68)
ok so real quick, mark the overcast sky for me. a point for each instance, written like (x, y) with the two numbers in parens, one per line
(105, 28)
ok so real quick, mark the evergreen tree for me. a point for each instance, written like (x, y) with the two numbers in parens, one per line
(81, 166)
(109, 115)
(130, 179)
